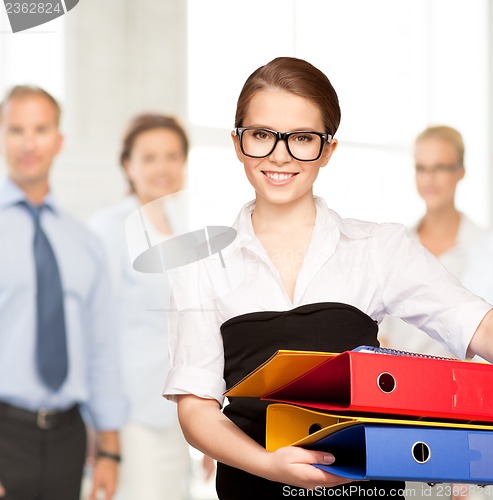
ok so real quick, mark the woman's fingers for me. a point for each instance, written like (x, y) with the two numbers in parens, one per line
(293, 465)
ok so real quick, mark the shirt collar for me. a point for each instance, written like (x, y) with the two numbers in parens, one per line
(352, 228)
(326, 220)
(11, 194)
(466, 232)
(329, 229)
(243, 225)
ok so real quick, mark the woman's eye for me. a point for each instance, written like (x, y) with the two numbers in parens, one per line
(303, 137)
(261, 135)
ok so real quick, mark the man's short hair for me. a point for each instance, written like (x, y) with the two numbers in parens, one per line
(21, 91)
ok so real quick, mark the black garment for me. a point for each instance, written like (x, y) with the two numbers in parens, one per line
(41, 464)
(249, 340)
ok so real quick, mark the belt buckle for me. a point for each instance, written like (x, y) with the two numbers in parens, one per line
(42, 419)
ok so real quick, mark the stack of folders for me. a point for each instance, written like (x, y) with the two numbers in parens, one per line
(384, 414)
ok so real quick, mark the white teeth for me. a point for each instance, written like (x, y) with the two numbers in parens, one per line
(278, 176)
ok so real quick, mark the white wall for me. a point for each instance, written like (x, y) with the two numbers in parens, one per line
(397, 66)
(112, 59)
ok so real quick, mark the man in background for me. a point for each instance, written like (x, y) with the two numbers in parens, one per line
(57, 343)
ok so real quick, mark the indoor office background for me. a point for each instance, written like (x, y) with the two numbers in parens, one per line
(397, 66)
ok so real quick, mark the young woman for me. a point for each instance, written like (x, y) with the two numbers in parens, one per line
(296, 277)
(155, 454)
(443, 230)
(439, 158)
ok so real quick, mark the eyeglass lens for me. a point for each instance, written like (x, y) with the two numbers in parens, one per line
(259, 143)
(436, 169)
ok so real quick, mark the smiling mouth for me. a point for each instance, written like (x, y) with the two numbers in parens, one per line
(279, 176)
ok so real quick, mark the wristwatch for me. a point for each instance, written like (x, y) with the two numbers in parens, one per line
(116, 457)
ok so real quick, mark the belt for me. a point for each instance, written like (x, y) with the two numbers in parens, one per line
(43, 419)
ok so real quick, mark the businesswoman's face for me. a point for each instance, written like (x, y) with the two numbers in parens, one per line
(156, 165)
(280, 178)
(438, 171)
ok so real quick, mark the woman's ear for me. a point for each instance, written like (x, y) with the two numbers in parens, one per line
(60, 141)
(127, 169)
(328, 151)
(236, 143)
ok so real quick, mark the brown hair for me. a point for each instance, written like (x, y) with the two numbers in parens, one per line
(150, 121)
(296, 76)
(445, 133)
(21, 91)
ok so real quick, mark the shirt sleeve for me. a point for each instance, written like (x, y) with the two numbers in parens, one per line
(106, 403)
(196, 352)
(478, 276)
(417, 288)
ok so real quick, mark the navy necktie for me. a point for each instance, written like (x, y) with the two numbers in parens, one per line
(51, 342)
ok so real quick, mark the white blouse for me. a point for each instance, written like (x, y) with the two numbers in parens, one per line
(374, 267)
(397, 334)
(142, 301)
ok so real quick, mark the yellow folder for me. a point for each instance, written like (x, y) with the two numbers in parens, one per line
(289, 425)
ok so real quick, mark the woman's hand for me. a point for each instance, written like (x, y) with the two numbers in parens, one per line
(228, 444)
(292, 465)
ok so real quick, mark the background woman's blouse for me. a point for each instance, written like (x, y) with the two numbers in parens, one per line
(143, 302)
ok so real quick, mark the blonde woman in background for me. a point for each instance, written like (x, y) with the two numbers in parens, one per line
(445, 231)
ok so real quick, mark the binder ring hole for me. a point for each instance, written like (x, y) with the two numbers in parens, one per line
(386, 382)
(421, 452)
(314, 428)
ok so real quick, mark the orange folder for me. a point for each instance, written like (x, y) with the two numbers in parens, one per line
(371, 382)
(281, 368)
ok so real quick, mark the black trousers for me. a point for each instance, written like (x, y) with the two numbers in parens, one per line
(41, 462)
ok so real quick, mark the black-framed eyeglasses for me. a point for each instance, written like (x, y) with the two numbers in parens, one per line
(302, 145)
